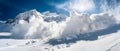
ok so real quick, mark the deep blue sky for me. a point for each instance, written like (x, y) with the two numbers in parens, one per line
(11, 8)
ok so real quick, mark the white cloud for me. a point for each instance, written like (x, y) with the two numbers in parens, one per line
(77, 5)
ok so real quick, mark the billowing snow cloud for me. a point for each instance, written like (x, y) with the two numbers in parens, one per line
(111, 7)
(77, 5)
(32, 24)
(82, 23)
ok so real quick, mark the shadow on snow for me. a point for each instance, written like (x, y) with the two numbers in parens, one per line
(86, 36)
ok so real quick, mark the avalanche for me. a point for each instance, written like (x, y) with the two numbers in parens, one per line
(32, 24)
(36, 31)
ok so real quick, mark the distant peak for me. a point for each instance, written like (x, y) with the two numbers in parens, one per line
(33, 11)
(28, 14)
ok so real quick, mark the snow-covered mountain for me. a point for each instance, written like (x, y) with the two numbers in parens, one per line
(40, 31)
(33, 24)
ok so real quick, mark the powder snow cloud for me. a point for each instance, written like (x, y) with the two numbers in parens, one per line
(31, 24)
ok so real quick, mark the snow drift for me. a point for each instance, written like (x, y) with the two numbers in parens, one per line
(33, 24)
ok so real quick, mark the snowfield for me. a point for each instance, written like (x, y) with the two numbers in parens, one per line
(105, 43)
(101, 44)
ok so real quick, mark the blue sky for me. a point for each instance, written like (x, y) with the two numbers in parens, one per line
(11, 8)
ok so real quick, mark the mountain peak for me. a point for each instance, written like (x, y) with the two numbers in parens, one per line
(28, 14)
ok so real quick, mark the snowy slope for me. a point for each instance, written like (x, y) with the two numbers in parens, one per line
(102, 44)
(116, 47)
(109, 42)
